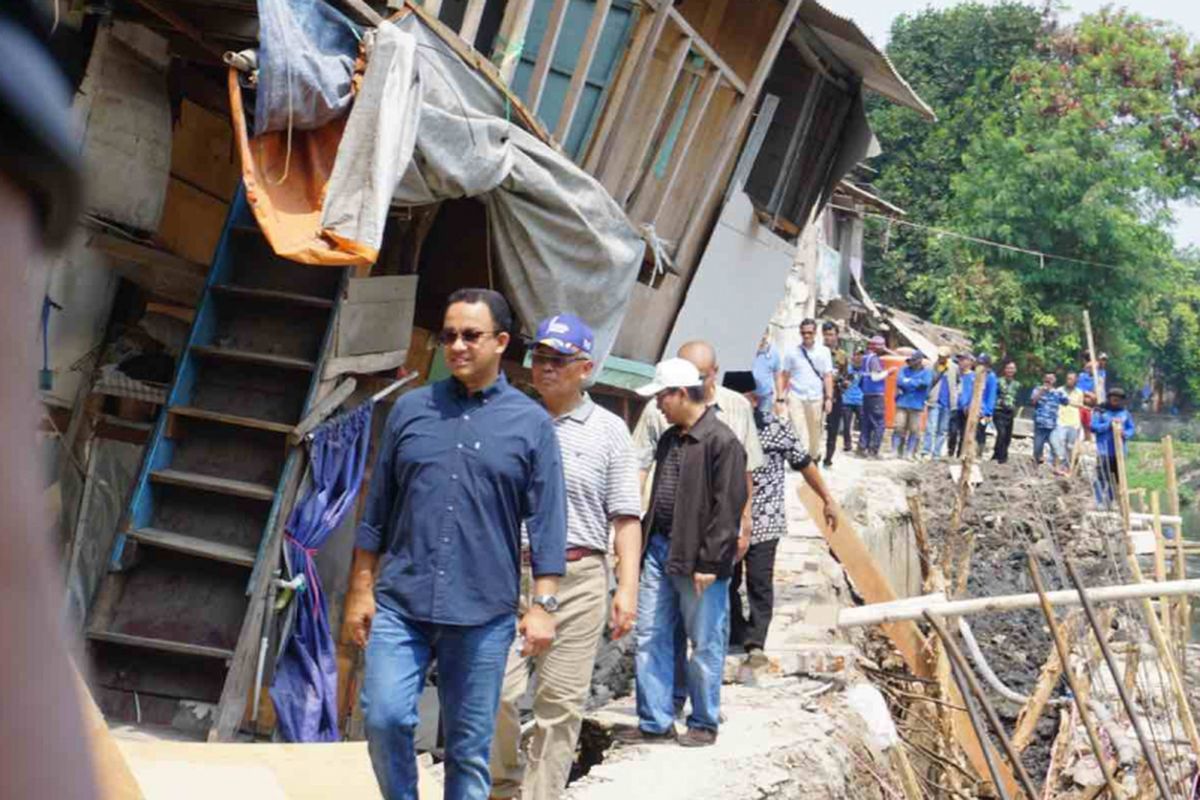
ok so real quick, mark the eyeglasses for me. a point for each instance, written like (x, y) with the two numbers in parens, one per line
(448, 336)
(554, 360)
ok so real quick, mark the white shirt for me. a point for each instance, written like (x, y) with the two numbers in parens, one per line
(807, 380)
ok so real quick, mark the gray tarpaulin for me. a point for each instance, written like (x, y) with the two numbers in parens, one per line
(426, 127)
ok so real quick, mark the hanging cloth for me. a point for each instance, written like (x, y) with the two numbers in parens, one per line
(305, 687)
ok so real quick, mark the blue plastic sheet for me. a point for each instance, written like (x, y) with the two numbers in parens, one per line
(305, 62)
(305, 687)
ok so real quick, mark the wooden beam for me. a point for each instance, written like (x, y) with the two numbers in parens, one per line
(432, 7)
(873, 586)
(702, 47)
(471, 19)
(689, 243)
(372, 362)
(637, 166)
(157, 271)
(683, 147)
(359, 11)
(182, 25)
(510, 40)
(582, 66)
(623, 104)
(324, 407)
(1047, 682)
(616, 92)
(541, 67)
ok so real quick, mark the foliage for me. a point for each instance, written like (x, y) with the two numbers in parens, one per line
(1070, 140)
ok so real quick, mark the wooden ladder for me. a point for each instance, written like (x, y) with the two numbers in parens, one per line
(175, 627)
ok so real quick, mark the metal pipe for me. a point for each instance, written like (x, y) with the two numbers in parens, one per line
(977, 725)
(1160, 778)
(957, 658)
(382, 393)
(1064, 659)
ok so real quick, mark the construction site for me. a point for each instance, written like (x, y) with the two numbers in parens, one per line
(280, 199)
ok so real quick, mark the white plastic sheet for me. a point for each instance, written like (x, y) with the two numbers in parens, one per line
(426, 127)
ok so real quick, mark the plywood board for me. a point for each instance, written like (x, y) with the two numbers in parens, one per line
(202, 151)
(381, 289)
(377, 315)
(192, 222)
(199, 771)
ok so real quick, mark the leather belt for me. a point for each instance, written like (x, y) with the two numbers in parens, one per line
(573, 554)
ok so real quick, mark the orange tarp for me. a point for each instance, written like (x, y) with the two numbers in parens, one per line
(286, 190)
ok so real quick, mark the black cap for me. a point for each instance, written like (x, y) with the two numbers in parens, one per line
(741, 382)
(1115, 391)
(39, 148)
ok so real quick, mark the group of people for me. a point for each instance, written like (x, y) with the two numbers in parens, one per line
(817, 385)
(485, 539)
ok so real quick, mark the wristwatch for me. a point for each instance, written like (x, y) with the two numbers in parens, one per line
(546, 601)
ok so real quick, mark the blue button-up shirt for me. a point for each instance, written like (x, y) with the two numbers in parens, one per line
(455, 477)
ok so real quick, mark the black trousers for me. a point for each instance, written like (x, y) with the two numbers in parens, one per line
(833, 424)
(758, 567)
(1003, 419)
(955, 439)
(850, 415)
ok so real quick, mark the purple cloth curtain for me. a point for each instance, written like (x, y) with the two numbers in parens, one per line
(305, 687)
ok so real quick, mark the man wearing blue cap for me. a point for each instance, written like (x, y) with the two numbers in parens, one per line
(601, 475)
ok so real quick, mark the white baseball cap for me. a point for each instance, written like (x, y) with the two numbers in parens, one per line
(673, 373)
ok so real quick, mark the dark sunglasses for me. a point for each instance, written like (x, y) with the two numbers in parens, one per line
(448, 336)
(555, 360)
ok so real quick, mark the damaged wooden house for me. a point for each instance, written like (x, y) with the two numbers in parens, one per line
(252, 262)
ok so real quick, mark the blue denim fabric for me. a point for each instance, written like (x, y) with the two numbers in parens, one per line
(1062, 444)
(662, 600)
(871, 434)
(937, 424)
(471, 660)
(1041, 438)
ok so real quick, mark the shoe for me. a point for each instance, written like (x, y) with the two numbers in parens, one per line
(826, 464)
(639, 736)
(698, 737)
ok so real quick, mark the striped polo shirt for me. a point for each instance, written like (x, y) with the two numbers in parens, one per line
(601, 473)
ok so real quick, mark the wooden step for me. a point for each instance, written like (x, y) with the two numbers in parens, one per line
(248, 357)
(162, 645)
(272, 296)
(193, 546)
(209, 483)
(230, 419)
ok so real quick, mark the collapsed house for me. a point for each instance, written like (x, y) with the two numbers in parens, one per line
(248, 265)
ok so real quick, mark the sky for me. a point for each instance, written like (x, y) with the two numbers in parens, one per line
(875, 18)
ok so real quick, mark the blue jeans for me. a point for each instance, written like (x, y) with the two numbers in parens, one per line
(937, 424)
(1062, 444)
(871, 435)
(471, 661)
(662, 600)
(1041, 438)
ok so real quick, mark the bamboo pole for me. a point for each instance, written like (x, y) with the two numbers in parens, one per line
(959, 576)
(1160, 565)
(1064, 656)
(1048, 678)
(1160, 777)
(922, 537)
(968, 677)
(1156, 633)
(1091, 343)
(1184, 605)
(980, 729)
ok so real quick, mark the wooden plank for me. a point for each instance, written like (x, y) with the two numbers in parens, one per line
(114, 779)
(510, 40)
(583, 65)
(689, 243)
(471, 19)
(162, 645)
(192, 222)
(701, 45)
(382, 289)
(375, 362)
(432, 7)
(157, 271)
(229, 419)
(617, 91)
(193, 546)
(682, 147)
(272, 296)
(247, 357)
(541, 67)
(209, 483)
(636, 167)
(625, 97)
(873, 586)
(326, 406)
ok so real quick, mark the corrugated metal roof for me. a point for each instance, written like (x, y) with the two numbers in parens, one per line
(848, 42)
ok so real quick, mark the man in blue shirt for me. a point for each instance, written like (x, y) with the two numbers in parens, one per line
(1104, 419)
(873, 383)
(912, 386)
(462, 463)
(1087, 381)
(766, 370)
(958, 418)
(1046, 400)
(943, 392)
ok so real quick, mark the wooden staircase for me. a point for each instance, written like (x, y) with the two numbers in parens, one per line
(173, 633)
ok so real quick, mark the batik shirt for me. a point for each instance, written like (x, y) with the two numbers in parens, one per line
(780, 447)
